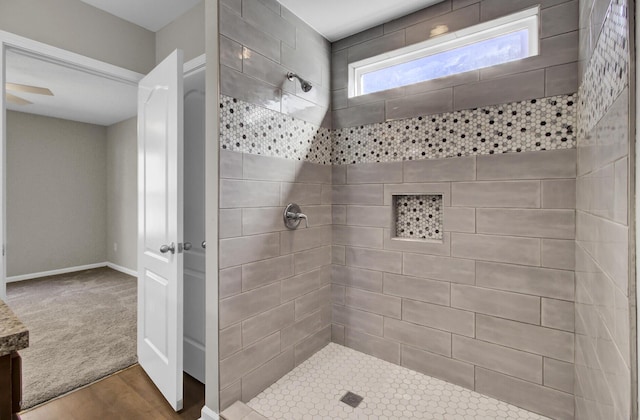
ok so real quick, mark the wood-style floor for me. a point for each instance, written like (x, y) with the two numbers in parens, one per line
(128, 394)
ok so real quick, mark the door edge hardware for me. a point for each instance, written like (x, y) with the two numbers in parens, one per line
(169, 248)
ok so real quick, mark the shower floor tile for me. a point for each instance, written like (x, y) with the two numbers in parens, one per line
(313, 391)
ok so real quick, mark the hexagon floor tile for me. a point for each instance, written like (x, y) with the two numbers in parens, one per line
(313, 391)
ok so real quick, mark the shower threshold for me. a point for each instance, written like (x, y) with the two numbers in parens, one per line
(314, 390)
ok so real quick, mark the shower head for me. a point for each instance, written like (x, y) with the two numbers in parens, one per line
(306, 86)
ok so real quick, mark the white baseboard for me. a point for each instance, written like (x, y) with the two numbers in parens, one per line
(209, 414)
(194, 359)
(31, 276)
(122, 269)
(55, 272)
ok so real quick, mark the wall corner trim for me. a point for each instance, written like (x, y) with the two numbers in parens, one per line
(122, 269)
(208, 414)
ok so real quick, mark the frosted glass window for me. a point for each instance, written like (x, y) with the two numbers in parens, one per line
(487, 44)
(499, 50)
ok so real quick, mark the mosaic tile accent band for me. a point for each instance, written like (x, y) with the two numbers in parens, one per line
(249, 128)
(418, 216)
(538, 124)
(607, 74)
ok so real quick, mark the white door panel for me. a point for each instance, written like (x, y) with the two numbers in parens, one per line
(160, 209)
(194, 231)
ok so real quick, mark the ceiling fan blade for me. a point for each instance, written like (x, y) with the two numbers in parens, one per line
(17, 100)
(16, 87)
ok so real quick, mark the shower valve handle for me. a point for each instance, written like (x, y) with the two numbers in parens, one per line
(298, 216)
(292, 216)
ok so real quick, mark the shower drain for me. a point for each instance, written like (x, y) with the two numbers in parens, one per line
(351, 399)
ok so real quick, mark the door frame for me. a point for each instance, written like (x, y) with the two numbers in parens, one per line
(57, 55)
(80, 62)
(69, 59)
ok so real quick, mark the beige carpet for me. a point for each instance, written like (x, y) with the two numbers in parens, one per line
(82, 327)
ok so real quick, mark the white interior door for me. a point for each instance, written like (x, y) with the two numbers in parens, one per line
(194, 226)
(160, 226)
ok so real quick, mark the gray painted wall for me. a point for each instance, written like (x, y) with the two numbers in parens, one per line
(122, 194)
(83, 29)
(186, 33)
(551, 73)
(260, 42)
(56, 194)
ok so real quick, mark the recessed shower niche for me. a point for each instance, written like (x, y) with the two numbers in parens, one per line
(418, 217)
(417, 214)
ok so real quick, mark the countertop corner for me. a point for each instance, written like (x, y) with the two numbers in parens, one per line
(14, 335)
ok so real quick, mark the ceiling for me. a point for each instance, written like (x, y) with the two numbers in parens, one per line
(334, 19)
(78, 96)
(150, 14)
(337, 19)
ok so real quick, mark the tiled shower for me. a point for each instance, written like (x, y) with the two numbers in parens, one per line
(473, 228)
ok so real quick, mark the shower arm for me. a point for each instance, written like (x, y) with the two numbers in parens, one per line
(306, 86)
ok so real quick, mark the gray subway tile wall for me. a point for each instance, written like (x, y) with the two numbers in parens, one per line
(355, 277)
(434, 340)
(543, 223)
(451, 370)
(510, 88)
(538, 281)
(535, 339)
(536, 165)
(560, 79)
(547, 74)
(496, 194)
(506, 288)
(373, 345)
(455, 20)
(497, 303)
(491, 307)
(512, 362)
(559, 375)
(275, 284)
(554, 51)
(604, 283)
(557, 404)
(507, 249)
(273, 42)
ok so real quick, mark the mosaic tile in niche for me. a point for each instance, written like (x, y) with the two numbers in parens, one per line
(418, 216)
(249, 128)
(607, 73)
(539, 124)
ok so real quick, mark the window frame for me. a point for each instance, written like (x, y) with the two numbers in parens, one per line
(528, 19)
